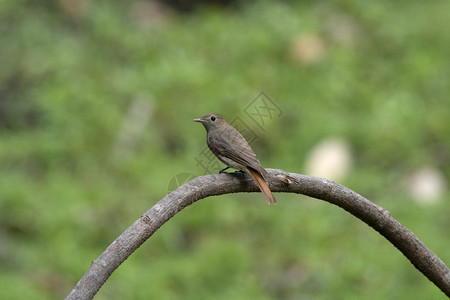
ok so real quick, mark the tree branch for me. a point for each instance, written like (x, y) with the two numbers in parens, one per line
(218, 184)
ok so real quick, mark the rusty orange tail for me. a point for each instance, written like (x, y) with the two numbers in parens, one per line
(263, 186)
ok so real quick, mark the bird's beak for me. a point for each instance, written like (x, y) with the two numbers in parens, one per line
(198, 120)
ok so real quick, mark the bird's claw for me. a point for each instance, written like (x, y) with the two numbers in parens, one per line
(223, 170)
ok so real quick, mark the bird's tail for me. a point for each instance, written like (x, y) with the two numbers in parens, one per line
(263, 186)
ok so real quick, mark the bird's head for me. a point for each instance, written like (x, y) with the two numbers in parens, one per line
(211, 121)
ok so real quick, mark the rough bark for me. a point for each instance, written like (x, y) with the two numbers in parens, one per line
(218, 184)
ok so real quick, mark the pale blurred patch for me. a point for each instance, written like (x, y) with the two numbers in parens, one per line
(74, 8)
(307, 48)
(427, 185)
(331, 159)
(150, 14)
(132, 128)
(343, 29)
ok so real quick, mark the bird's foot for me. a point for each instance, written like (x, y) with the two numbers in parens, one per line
(240, 171)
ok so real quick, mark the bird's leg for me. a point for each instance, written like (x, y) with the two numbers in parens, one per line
(223, 170)
(240, 171)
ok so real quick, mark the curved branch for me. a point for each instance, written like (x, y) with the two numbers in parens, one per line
(218, 184)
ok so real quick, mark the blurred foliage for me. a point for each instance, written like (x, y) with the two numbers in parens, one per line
(76, 170)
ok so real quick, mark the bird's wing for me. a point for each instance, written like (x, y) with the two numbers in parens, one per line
(233, 145)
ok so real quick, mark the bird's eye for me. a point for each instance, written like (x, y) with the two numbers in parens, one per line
(213, 118)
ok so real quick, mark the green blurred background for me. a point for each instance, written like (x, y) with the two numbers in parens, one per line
(96, 106)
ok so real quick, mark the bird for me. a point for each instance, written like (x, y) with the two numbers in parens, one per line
(231, 148)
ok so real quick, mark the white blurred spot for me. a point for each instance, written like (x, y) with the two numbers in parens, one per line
(307, 49)
(427, 185)
(331, 159)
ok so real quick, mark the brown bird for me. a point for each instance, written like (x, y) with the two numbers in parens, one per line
(232, 149)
